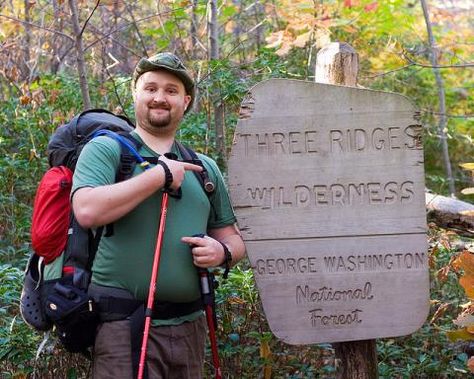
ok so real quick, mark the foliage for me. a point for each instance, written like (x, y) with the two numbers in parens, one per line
(39, 91)
(428, 353)
(394, 57)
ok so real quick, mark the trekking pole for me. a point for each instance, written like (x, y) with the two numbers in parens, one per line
(207, 299)
(207, 288)
(151, 292)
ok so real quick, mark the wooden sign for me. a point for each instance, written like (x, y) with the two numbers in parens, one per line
(328, 186)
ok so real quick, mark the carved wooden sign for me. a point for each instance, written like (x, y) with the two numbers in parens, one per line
(328, 186)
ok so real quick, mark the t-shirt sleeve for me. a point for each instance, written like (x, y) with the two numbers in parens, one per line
(222, 213)
(97, 164)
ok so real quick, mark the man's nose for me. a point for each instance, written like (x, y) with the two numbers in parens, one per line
(159, 96)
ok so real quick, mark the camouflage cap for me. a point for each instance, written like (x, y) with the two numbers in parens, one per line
(169, 62)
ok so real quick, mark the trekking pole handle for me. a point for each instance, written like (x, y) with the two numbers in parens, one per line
(203, 272)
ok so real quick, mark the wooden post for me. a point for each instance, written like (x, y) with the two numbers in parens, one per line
(338, 63)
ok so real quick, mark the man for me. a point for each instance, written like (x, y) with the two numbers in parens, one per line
(163, 91)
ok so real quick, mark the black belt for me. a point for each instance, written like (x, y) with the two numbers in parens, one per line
(116, 308)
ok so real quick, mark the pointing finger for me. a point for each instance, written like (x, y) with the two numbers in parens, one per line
(196, 241)
(192, 167)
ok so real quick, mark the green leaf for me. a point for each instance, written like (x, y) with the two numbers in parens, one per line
(228, 11)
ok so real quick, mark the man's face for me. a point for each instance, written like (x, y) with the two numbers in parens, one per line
(160, 101)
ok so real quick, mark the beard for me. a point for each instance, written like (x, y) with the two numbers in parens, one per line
(159, 120)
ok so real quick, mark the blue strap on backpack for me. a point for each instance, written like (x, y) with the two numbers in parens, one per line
(124, 142)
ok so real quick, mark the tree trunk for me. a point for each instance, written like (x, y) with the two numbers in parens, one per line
(81, 64)
(450, 213)
(194, 30)
(442, 100)
(258, 13)
(25, 65)
(338, 63)
(54, 61)
(217, 102)
(356, 360)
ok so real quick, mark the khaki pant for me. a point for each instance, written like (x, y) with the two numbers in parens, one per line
(172, 351)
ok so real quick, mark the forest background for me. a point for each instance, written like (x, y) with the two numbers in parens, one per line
(59, 57)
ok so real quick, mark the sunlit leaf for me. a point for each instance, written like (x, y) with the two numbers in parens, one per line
(466, 262)
(464, 320)
(468, 191)
(460, 334)
(470, 364)
(25, 100)
(275, 39)
(467, 282)
(439, 312)
(372, 6)
(228, 11)
(467, 166)
(442, 274)
(302, 39)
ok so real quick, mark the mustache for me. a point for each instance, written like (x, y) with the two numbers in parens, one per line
(161, 105)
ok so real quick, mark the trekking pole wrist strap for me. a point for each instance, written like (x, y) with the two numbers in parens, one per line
(168, 174)
(227, 259)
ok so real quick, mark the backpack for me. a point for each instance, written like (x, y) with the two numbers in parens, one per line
(64, 302)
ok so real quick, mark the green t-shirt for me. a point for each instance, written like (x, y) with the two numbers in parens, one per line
(124, 260)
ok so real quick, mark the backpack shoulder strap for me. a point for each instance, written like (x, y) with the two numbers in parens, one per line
(189, 155)
(75, 120)
(128, 157)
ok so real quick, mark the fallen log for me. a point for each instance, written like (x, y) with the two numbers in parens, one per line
(450, 213)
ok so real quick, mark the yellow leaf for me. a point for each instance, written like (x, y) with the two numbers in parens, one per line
(284, 49)
(466, 262)
(322, 37)
(467, 166)
(33, 154)
(264, 349)
(439, 312)
(275, 39)
(460, 334)
(468, 191)
(302, 39)
(467, 282)
(235, 300)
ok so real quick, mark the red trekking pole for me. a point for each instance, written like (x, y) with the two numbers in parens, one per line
(208, 302)
(154, 274)
(207, 290)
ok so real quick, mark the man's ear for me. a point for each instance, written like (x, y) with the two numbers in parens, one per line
(187, 100)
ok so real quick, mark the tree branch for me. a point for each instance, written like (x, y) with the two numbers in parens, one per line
(436, 66)
(466, 116)
(38, 26)
(130, 24)
(442, 99)
(388, 72)
(88, 18)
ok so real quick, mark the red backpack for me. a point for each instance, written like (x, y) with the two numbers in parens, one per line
(51, 210)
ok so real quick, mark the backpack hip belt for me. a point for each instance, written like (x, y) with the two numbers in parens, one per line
(115, 308)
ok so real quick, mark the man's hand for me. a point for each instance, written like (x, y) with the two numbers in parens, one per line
(178, 169)
(207, 252)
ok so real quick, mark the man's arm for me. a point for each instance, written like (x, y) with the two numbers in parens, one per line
(208, 251)
(96, 206)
